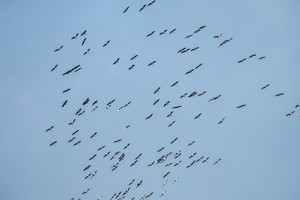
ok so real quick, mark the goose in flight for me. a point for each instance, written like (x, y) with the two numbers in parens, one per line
(149, 116)
(279, 94)
(218, 36)
(83, 33)
(83, 41)
(222, 120)
(142, 8)
(106, 43)
(58, 49)
(64, 103)
(66, 90)
(157, 90)
(49, 129)
(116, 61)
(175, 83)
(198, 116)
(172, 31)
(54, 68)
(75, 36)
(150, 33)
(126, 9)
(264, 87)
(243, 105)
(53, 143)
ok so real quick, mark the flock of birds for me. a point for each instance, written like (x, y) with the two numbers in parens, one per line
(164, 157)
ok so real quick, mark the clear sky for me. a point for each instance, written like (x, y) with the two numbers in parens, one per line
(258, 144)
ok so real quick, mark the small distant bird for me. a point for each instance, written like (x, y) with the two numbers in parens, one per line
(93, 135)
(175, 83)
(58, 49)
(119, 140)
(242, 60)
(171, 123)
(157, 90)
(221, 121)
(264, 87)
(134, 57)
(194, 49)
(54, 68)
(53, 143)
(153, 62)
(170, 114)
(126, 9)
(127, 127)
(166, 103)
(188, 36)
(172, 31)
(252, 55)
(75, 36)
(174, 140)
(198, 116)
(149, 116)
(163, 32)
(64, 103)
(49, 129)
(66, 90)
(191, 143)
(150, 33)
(218, 36)
(159, 150)
(243, 105)
(116, 61)
(86, 51)
(142, 8)
(83, 41)
(298, 105)
(175, 107)
(279, 94)
(262, 57)
(106, 43)
(83, 33)
(289, 114)
(131, 67)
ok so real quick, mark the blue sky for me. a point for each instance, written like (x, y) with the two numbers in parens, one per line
(258, 144)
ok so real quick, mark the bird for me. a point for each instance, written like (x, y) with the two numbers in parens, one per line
(175, 107)
(64, 103)
(118, 140)
(86, 51)
(180, 50)
(66, 90)
(215, 98)
(156, 101)
(298, 105)
(106, 43)
(149, 116)
(198, 116)
(166, 174)
(77, 143)
(240, 106)
(279, 94)
(218, 36)
(75, 132)
(58, 49)
(151, 63)
(289, 114)
(126, 9)
(172, 31)
(174, 140)
(54, 68)
(190, 71)
(72, 139)
(142, 8)
(252, 55)
(134, 57)
(202, 93)
(50, 128)
(159, 150)
(157, 90)
(170, 114)
(150, 33)
(53, 143)
(175, 83)
(83, 41)
(262, 57)
(217, 161)
(83, 33)
(166, 103)
(242, 60)
(194, 49)
(116, 61)
(265, 86)
(75, 36)
(222, 120)
(93, 135)
(91, 158)
(188, 36)
(127, 127)
(191, 143)
(171, 123)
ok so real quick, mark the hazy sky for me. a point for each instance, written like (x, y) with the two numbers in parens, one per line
(258, 144)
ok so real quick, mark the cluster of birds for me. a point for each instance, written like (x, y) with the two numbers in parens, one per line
(165, 159)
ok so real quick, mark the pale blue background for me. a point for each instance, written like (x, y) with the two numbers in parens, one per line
(258, 144)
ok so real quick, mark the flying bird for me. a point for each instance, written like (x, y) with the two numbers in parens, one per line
(66, 90)
(289, 114)
(166, 103)
(106, 43)
(222, 120)
(172, 31)
(49, 129)
(149, 116)
(262, 57)
(54, 68)
(243, 105)
(153, 62)
(279, 94)
(218, 36)
(53, 143)
(58, 49)
(75, 36)
(198, 116)
(142, 8)
(264, 87)
(116, 61)
(126, 9)
(175, 83)
(83, 33)
(150, 33)
(83, 41)
(65, 103)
